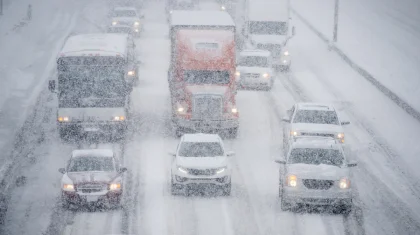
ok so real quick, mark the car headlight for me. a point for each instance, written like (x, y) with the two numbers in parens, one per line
(131, 73)
(344, 183)
(118, 118)
(340, 136)
(294, 133)
(223, 8)
(237, 74)
(220, 170)
(286, 53)
(266, 75)
(170, 12)
(68, 187)
(114, 22)
(136, 23)
(136, 30)
(183, 170)
(234, 110)
(114, 186)
(291, 181)
(63, 119)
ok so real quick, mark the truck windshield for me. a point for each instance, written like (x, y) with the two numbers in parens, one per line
(268, 27)
(94, 87)
(314, 156)
(253, 61)
(199, 77)
(200, 149)
(91, 163)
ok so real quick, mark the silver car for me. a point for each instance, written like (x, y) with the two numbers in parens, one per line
(316, 172)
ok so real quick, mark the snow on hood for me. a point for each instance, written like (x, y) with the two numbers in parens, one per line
(268, 39)
(125, 19)
(318, 128)
(84, 114)
(201, 162)
(319, 172)
(85, 177)
(207, 90)
(261, 70)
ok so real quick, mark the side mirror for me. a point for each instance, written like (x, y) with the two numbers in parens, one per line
(51, 85)
(230, 154)
(123, 169)
(286, 119)
(280, 161)
(172, 154)
(62, 170)
(345, 123)
(352, 164)
(293, 31)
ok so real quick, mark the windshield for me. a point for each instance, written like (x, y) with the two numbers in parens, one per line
(124, 13)
(268, 27)
(92, 87)
(316, 117)
(313, 156)
(200, 149)
(253, 61)
(91, 163)
(200, 77)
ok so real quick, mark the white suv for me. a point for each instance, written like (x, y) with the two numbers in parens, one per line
(201, 162)
(316, 172)
(254, 69)
(312, 119)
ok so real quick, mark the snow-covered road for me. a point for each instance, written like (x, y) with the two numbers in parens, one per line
(386, 182)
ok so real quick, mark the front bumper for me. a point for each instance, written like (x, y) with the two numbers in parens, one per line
(109, 197)
(317, 197)
(204, 125)
(100, 127)
(181, 181)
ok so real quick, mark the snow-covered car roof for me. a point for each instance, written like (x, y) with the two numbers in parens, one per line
(92, 152)
(125, 9)
(316, 142)
(200, 137)
(250, 52)
(269, 10)
(315, 106)
(201, 18)
(98, 44)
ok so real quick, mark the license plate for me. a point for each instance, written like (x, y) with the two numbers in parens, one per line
(92, 198)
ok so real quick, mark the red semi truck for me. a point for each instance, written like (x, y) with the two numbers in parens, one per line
(202, 76)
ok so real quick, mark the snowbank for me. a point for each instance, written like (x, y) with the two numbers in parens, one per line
(382, 36)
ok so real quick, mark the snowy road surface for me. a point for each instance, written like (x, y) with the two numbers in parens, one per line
(387, 199)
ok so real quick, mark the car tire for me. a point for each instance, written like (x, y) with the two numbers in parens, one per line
(227, 188)
(65, 204)
(179, 132)
(233, 132)
(285, 206)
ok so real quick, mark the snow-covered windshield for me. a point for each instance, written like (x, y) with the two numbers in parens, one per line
(96, 87)
(200, 149)
(124, 13)
(268, 27)
(253, 61)
(91, 163)
(201, 77)
(316, 117)
(313, 156)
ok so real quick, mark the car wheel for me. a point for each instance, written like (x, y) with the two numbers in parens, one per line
(233, 133)
(179, 132)
(285, 205)
(65, 204)
(227, 189)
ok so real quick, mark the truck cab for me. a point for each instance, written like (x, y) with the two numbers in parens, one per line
(268, 27)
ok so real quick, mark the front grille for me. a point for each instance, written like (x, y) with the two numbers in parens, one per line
(91, 188)
(201, 172)
(207, 107)
(252, 75)
(126, 23)
(317, 134)
(318, 184)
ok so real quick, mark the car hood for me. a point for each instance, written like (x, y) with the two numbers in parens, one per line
(89, 177)
(207, 90)
(261, 70)
(268, 39)
(202, 162)
(318, 128)
(126, 19)
(319, 172)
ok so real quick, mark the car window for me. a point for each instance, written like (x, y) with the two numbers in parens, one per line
(316, 117)
(253, 61)
(313, 156)
(91, 163)
(124, 13)
(200, 149)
